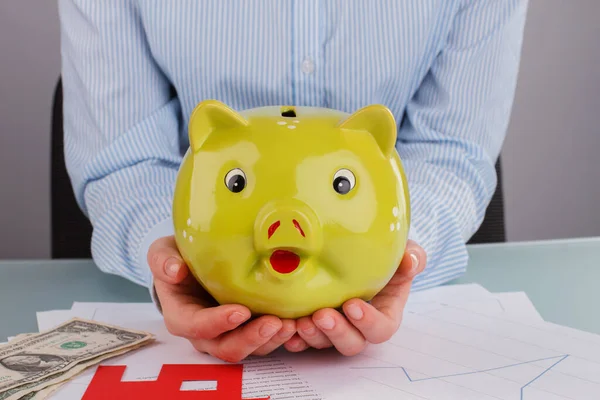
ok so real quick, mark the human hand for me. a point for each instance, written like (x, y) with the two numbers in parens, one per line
(362, 323)
(190, 312)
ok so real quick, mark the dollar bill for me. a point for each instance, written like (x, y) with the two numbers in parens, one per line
(12, 339)
(27, 392)
(20, 336)
(42, 394)
(14, 393)
(21, 392)
(50, 354)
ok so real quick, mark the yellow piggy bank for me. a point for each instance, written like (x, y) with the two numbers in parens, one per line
(288, 210)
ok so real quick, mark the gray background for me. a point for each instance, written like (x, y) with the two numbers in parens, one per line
(552, 178)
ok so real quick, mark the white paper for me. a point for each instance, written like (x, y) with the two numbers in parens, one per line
(145, 364)
(574, 334)
(449, 294)
(459, 343)
(131, 311)
(459, 354)
(135, 307)
(473, 297)
(517, 305)
(49, 319)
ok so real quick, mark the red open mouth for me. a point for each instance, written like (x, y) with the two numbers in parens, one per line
(284, 261)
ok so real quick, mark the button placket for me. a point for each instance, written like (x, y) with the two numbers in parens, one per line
(308, 65)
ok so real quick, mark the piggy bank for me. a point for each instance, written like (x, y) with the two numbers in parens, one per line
(288, 210)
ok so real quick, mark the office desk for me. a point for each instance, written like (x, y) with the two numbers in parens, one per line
(562, 279)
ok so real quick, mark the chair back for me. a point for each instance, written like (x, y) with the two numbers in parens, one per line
(493, 229)
(70, 229)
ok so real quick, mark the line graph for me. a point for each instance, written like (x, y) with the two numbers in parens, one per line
(559, 359)
(540, 375)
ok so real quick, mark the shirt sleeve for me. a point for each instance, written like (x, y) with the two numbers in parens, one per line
(122, 125)
(453, 131)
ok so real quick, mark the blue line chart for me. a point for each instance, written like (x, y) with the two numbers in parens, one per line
(540, 375)
(558, 358)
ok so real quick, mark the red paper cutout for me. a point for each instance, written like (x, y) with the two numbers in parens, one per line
(107, 384)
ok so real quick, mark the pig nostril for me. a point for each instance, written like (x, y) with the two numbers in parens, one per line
(273, 228)
(297, 225)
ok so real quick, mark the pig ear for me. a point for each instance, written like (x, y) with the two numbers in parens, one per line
(379, 121)
(208, 116)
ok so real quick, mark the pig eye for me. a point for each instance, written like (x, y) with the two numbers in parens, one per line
(343, 181)
(235, 180)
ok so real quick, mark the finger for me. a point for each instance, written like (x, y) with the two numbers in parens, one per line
(288, 329)
(238, 344)
(374, 325)
(392, 298)
(165, 262)
(312, 335)
(344, 336)
(186, 317)
(207, 323)
(296, 344)
(412, 264)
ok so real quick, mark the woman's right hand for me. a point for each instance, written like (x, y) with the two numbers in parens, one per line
(190, 312)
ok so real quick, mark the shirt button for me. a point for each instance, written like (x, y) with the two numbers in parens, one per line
(308, 66)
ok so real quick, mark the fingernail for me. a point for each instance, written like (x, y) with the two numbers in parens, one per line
(236, 317)
(267, 330)
(354, 311)
(172, 268)
(415, 262)
(325, 323)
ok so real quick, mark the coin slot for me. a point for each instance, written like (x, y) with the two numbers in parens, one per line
(288, 112)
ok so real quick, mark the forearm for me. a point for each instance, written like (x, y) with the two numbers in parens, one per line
(454, 129)
(448, 205)
(122, 128)
(122, 221)
(126, 192)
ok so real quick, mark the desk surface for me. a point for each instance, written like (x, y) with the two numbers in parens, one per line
(560, 277)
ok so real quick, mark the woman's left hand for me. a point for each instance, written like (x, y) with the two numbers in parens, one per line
(362, 323)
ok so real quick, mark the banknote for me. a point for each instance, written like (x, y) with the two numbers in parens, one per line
(21, 392)
(12, 339)
(21, 336)
(54, 352)
(42, 394)
(38, 395)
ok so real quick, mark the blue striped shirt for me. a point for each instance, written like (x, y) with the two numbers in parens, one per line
(133, 71)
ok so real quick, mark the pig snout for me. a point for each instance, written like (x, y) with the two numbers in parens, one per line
(287, 225)
(276, 225)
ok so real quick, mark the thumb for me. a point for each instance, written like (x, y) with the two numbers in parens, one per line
(165, 262)
(412, 264)
(415, 259)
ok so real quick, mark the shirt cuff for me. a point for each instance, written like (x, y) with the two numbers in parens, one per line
(162, 229)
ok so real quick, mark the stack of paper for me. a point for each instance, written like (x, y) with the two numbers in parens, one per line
(455, 342)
